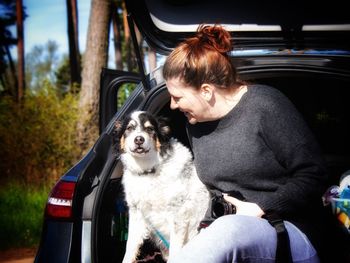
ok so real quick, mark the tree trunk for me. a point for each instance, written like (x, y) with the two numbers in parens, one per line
(74, 54)
(117, 38)
(20, 51)
(12, 68)
(127, 39)
(95, 58)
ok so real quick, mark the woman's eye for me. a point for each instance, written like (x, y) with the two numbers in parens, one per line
(175, 99)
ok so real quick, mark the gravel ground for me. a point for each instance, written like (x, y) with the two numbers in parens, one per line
(18, 255)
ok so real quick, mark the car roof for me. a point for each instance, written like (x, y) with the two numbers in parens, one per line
(252, 23)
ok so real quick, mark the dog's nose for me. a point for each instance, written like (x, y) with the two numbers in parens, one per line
(139, 140)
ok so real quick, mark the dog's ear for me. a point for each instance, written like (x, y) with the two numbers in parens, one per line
(116, 136)
(164, 134)
(164, 127)
(118, 125)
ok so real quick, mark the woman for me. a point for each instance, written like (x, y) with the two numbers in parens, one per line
(249, 139)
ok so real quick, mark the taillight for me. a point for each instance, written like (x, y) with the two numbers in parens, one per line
(59, 204)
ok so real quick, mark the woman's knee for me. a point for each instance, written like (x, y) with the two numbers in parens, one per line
(244, 237)
(250, 237)
(244, 232)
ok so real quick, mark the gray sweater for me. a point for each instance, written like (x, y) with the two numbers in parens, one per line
(263, 149)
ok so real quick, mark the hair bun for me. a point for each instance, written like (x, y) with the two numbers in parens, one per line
(215, 36)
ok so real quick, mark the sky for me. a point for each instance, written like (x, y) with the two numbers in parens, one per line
(47, 20)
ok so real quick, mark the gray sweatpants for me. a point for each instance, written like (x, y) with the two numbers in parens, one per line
(237, 238)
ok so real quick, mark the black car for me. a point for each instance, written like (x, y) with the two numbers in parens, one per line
(299, 47)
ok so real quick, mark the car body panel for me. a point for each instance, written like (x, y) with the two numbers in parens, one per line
(55, 244)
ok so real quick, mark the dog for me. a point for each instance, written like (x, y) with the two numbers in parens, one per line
(165, 197)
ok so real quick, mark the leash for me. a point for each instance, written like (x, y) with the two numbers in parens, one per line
(165, 242)
(162, 238)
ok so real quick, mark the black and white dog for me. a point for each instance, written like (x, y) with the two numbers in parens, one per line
(165, 197)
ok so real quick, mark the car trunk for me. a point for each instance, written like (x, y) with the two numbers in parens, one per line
(321, 94)
(289, 46)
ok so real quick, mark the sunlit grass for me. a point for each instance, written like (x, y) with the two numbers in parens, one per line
(21, 215)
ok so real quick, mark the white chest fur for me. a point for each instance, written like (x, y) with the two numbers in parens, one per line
(169, 200)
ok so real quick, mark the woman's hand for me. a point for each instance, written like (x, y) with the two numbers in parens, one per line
(244, 208)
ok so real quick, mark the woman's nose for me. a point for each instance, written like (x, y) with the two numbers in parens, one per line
(173, 104)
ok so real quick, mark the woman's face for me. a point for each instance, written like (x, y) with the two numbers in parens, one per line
(188, 100)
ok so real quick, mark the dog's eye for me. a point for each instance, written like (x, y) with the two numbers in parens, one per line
(130, 128)
(149, 129)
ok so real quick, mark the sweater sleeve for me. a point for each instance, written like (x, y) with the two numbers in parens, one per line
(295, 148)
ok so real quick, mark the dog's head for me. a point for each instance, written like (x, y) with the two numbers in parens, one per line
(141, 134)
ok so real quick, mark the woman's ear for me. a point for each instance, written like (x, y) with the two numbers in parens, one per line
(206, 91)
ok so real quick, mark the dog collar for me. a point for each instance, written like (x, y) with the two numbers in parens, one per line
(150, 171)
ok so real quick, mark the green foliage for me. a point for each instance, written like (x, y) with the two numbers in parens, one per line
(21, 210)
(63, 78)
(37, 145)
(124, 92)
(37, 138)
(41, 63)
(63, 75)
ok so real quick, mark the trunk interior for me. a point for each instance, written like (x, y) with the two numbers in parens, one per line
(323, 99)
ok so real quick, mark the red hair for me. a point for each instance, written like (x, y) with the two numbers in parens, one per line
(203, 59)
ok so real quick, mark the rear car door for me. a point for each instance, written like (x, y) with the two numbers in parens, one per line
(116, 86)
